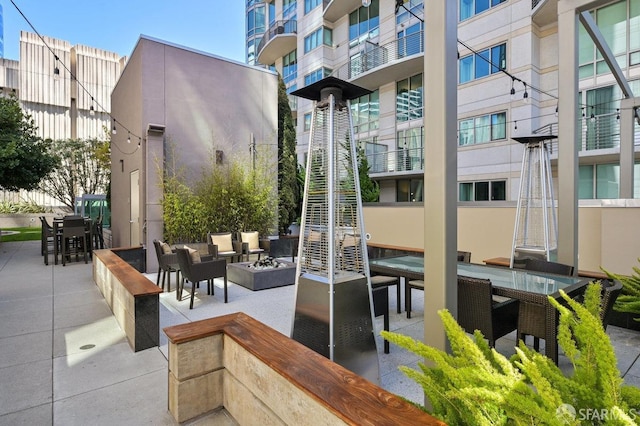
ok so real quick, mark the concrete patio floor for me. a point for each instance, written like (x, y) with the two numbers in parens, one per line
(65, 361)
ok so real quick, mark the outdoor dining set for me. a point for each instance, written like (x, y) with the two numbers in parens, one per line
(69, 236)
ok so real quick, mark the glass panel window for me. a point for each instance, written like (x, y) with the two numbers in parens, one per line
(309, 5)
(364, 23)
(307, 122)
(469, 8)
(607, 181)
(409, 98)
(409, 190)
(320, 36)
(482, 63)
(585, 182)
(376, 156)
(483, 191)
(290, 67)
(466, 191)
(365, 111)
(485, 128)
(316, 75)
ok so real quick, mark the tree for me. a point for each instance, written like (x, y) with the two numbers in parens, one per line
(24, 157)
(288, 185)
(369, 189)
(83, 168)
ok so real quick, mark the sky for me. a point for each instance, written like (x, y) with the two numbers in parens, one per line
(212, 26)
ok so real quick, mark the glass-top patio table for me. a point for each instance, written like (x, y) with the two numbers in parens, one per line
(526, 286)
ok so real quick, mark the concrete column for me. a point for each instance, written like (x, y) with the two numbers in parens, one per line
(441, 167)
(568, 136)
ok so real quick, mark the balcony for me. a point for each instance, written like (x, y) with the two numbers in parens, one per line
(280, 39)
(377, 65)
(336, 9)
(403, 161)
(600, 137)
(544, 12)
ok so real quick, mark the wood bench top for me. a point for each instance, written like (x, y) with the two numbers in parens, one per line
(136, 283)
(349, 396)
(505, 261)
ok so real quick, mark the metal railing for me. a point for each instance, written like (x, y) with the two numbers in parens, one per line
(373, 56)
(278, 28)
(600, 132)
(402, 160)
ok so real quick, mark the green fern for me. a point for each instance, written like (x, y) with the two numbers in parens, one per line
(629, 299)
(474, 384)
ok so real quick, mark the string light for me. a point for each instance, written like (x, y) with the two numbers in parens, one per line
(592, 117)
(525, 96)
(92, 110)
(139, 141)
(128, 137)
(114, 130)
(56, 70)
(556, 110)
(515, 128)
(617, 113)
(513, 90)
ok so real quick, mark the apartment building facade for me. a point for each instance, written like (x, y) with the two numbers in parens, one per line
(508, 84)
(68, 97)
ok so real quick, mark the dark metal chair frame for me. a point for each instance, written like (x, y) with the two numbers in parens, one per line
(167, 263)
(75, 238)
(201, 271)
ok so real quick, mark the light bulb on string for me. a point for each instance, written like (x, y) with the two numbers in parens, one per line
(56, 70)
(525, 95)
(513, 89)
(592, 117)
(92, 110)
(128, 137)
(114, 130)
(617, 113)
(139, 141)
(556, 110)
(515, 127)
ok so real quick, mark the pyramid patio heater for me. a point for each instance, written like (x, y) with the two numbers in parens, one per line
(333, 306)
(536, 229)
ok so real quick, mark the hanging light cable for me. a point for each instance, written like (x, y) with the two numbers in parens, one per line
(56, 69)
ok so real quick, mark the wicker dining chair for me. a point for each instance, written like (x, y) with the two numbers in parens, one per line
(478, 311)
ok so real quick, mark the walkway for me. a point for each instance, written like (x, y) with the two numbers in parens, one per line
(65, 361)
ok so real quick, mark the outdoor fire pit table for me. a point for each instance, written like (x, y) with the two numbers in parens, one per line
(259, 279)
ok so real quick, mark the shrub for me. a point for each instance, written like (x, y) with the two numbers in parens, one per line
(629, 300)
(477, 385)
(9, 207)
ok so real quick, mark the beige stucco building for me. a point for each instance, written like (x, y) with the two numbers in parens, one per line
(208, 108)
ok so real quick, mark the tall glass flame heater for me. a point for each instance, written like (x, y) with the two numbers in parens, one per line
(333, 306)
(536, 229)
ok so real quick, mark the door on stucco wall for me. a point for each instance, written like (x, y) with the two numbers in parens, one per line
(134, 214)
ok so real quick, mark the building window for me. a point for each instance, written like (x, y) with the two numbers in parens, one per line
(317, 38)
(256, 21)
(290, 67)
(307, 122)
(469, 8)
(409, 149)
(619, 24)
(410, 40)
(484, 63)
(365, 111)
(272, 12)
(288, 9)
(602, 181)
(309, 5)
(415, 6)
(409, 98)
(495, 190)
(364, 23)
(316, 75)
(485, 128)
(409, 190)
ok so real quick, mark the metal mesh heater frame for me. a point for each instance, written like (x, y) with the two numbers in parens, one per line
(333, 307)
(535, 233)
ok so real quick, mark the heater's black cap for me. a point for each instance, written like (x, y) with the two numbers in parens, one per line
(534, 138)
(313, 91)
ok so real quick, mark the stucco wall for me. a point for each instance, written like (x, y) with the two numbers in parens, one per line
(608, 234)
(205, 103)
